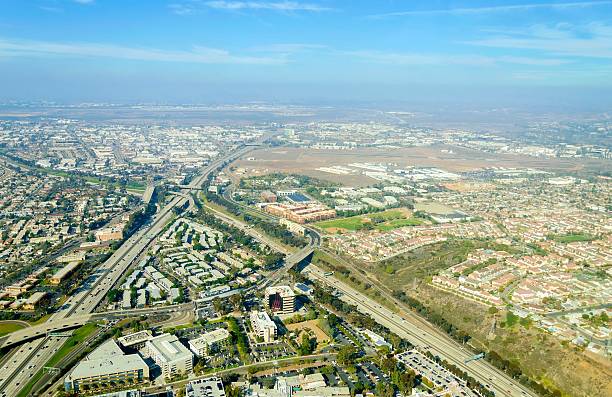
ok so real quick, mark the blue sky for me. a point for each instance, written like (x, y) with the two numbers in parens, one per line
(225, 50)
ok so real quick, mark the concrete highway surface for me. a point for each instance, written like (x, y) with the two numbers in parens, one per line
(425, 337)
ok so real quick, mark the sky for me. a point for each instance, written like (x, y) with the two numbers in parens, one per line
(201, 51)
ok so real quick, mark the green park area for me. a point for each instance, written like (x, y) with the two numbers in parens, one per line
(383, 221)
(570, 237)
(6, 327)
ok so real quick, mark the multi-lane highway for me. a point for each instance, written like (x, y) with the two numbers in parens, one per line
(22, 363)
(425, 337)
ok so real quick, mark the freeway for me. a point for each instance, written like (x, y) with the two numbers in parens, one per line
(427, 338)
(29, 358)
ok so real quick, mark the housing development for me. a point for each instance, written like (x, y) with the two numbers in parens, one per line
(302, 258)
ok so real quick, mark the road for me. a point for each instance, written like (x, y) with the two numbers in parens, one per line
(29, 358)
(428, 338)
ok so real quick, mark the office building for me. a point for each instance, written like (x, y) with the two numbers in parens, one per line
(209, 387)
(280, 299)
(170, 354)
(263, 326)
(107, 365)
(210, 342)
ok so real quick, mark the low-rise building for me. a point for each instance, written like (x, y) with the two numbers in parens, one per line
(170, 354)
(64, 272)
(209, 387)
(107, 365)
(209, 342)
(34, 300)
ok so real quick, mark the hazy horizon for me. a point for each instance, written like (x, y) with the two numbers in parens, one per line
(549, 54)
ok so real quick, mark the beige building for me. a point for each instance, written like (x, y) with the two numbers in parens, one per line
(263, 326)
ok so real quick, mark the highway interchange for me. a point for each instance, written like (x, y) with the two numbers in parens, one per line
(21, 364)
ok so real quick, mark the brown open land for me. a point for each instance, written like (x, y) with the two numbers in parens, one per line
(542, 356)
(306, 161)
(312, 325)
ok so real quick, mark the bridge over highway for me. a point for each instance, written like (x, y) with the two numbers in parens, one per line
(36, 331)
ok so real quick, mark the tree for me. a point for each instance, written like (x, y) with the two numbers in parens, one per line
(236, 301)
(346, 355)
(218, 306)
(385, 390)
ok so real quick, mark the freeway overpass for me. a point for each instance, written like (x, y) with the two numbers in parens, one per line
(40, 330)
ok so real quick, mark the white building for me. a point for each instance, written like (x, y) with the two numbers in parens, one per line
(170, 354)
(263, 326)
(104, 365)
(209, 342)
(209, 387)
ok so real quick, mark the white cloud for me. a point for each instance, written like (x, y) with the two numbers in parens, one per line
(265, 5)
(197, 54)
(447, 59)
(593, 40)
(496, 9)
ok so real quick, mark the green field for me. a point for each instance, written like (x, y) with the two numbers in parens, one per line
(383, 221)
(9, 326)
(571, 237)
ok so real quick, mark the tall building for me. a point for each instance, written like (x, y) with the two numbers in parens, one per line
(280, 299)
(170, 354)
(263, 326)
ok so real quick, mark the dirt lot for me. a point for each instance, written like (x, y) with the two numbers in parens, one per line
(311, 325)
(306, 161)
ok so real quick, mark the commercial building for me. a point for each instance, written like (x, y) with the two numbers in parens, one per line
(209, 387)
(170, 354)
(301, 213)
(280, 299)
(64, 272)
(263, 326)
(136, 340)
(34, 300)
(209, 342)
(110, 233)
(105, 366)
